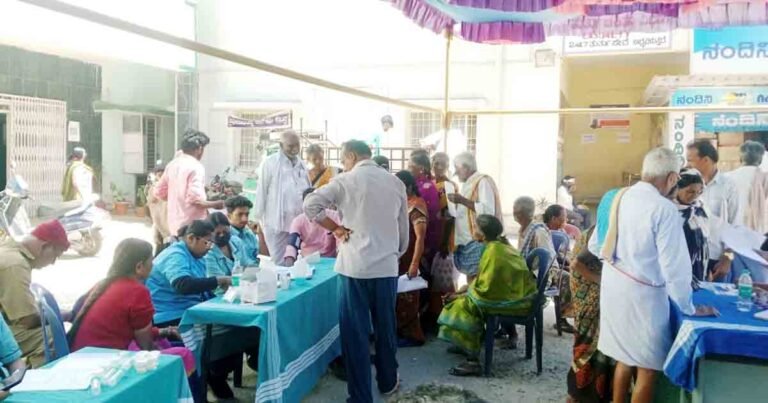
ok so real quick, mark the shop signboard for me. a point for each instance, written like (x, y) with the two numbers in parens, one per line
(680, 132)
(730, 50)
(617, 42)
(715, 122)
(723, 96)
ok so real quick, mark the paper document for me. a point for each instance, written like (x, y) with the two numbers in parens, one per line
(404, 284)
(762, 315)
(744, 241)
(37, 380)
(720, 288)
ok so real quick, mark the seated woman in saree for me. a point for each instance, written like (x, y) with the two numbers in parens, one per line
(117, 312)
(695, 220)
(227, 252)
(320, 174)
(504, 285)
(408, 309)
(589, 378)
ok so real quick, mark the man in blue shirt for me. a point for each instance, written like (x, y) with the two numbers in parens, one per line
(179, 280)
(10, 353)
(238, 210)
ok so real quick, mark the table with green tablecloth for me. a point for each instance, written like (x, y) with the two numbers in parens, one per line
(299, 333)
(167, 383)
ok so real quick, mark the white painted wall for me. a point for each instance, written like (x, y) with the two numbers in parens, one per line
(130, 84)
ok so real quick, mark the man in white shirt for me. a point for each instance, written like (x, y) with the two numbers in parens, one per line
(721, 199)
(564, 196)
(371, 238)
(478, 196)
(750, 182)
(283, 179)
(646, 265)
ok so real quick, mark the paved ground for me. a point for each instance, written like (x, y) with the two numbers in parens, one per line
(514, 378)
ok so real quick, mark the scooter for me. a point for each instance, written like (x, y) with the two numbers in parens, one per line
(82, 221)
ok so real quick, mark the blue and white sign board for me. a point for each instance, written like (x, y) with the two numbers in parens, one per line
(724, 121)
(730, 50)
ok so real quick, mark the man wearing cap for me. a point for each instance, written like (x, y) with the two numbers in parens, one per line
(39, 249)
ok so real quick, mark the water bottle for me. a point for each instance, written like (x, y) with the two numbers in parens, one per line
(744, 304)
(237, 273)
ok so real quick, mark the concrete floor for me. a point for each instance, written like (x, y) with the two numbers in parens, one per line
(514, 379)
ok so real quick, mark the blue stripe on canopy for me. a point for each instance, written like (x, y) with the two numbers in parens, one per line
(479, 15)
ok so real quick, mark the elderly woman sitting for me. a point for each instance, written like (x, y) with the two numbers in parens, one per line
(503, 286)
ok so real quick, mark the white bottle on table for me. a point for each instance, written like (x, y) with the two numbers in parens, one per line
(237, 273)
(744, 304)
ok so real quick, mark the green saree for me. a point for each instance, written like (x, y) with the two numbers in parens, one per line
(504, 286)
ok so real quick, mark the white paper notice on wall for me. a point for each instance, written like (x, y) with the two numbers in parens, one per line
(73, 132)
(589, 138)
(623, 137)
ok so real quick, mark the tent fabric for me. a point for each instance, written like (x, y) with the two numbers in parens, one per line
(531, 21)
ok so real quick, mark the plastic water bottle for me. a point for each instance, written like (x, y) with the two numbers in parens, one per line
(744, 304)
(237, 273)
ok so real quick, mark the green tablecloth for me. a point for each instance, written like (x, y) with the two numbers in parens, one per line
(168, 383)
(299, 333)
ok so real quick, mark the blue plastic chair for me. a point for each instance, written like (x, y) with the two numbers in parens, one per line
(42, 292)
(54, 334)
(539, 260)
(562, 242)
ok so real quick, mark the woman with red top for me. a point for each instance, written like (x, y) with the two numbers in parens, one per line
(117, 312)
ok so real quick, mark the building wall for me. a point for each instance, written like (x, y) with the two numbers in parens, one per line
(78, 83)
(138, 87)
(599, 166)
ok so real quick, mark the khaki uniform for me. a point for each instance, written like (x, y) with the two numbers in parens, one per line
(17, 301)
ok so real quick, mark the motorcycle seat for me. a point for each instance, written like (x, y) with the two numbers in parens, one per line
(56, 210)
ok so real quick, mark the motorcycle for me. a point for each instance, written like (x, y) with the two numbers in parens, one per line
(83, 221)
(222, 188)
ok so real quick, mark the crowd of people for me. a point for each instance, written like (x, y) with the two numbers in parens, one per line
(415, 223)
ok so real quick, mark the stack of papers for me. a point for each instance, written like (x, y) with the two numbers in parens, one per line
(720, 288)
(71, 373)
(404, 284)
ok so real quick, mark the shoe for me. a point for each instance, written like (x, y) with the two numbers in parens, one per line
(565, 327)
(394, 389)
(220, 388)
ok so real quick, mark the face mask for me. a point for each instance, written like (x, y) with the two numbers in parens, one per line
(222, 239)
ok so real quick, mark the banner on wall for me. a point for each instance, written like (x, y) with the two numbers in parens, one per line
(280, 120)
(730, 50)
(732, 122)
(616, 43)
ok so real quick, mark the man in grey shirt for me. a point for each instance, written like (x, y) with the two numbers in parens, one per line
(372, 237)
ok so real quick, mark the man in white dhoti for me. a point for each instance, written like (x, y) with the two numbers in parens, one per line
(478, 196)
(646, 264)
(283, 178)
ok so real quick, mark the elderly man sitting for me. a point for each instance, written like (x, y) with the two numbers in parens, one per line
(536, 235)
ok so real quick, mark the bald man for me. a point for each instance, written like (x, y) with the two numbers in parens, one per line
(283, 179)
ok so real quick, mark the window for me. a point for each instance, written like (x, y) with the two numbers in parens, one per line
(422, 124)
(150, 142)
(251, 147)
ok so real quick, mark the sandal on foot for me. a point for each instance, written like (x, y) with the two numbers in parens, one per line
(467, 368)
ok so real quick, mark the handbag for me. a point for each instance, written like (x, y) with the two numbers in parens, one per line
(444, 274)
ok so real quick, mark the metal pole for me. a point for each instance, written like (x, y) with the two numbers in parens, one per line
(198, 47)
(446, 112)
